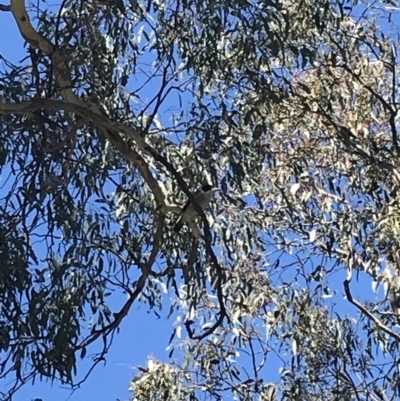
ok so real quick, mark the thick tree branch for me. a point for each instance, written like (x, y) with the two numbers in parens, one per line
(62, 74)
(108, 127)
(367, 313)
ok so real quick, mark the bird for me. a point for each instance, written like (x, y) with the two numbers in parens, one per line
(394, 295)
(203, 197)
(392, 280)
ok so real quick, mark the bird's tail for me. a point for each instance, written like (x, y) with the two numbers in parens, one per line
(178, 226)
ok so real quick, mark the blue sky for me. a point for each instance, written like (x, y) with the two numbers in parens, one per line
(141, 334)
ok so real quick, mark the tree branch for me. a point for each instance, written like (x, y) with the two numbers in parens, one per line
(367, 313)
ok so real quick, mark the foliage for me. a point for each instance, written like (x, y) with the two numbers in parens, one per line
(291, 109)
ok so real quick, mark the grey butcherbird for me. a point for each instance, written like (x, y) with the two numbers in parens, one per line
(203, 197)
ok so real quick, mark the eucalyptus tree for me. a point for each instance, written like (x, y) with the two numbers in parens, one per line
(120, 110)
